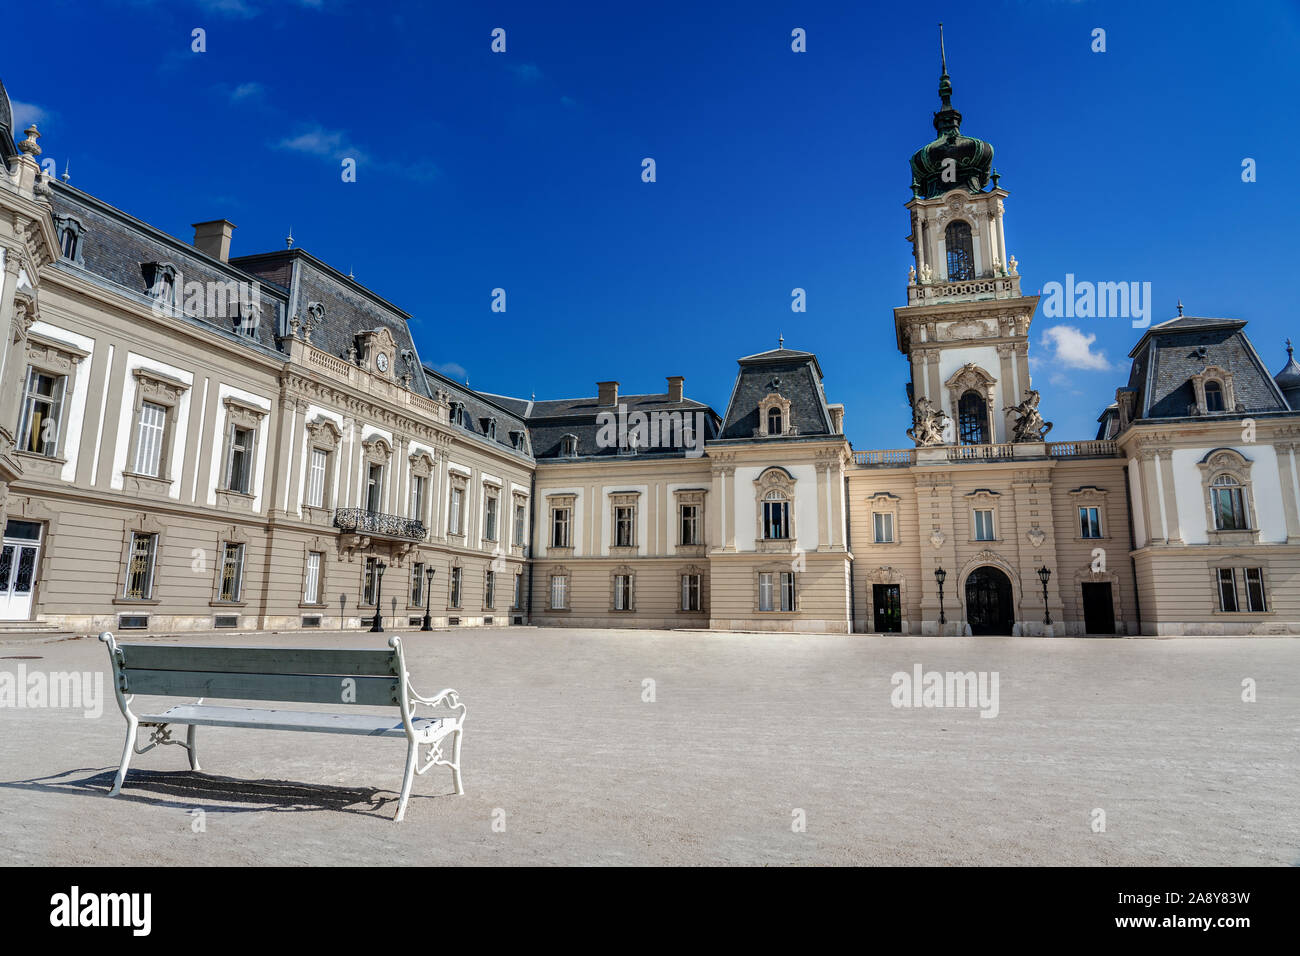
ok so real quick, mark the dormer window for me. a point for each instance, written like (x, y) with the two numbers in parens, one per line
(70, 232)
(775, 417)
(774, 421)
(163, 283)
(490, 428)
(1213, 397)
(569, 446)
(1213, 391)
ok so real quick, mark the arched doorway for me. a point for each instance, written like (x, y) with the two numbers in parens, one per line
(988, 602)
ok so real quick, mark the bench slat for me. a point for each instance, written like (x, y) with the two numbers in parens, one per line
(261, 660)
(367, 725)
(297, 688)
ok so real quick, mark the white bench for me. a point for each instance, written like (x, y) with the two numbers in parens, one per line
(374, 678)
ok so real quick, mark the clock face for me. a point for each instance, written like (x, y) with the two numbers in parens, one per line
(381, 361)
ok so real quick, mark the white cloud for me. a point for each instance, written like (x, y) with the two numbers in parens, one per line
(246, 91)
(1073, 348)
(452, 370)
(25, 114)
(230, 8)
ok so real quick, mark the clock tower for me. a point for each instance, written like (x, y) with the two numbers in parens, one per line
(965, 327)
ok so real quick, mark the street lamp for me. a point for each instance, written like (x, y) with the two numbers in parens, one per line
(378, 626)
(428, 596)
(1045, 575)
(941, 575)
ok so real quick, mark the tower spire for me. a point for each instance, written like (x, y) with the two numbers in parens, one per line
(945, 81)
(943, 57)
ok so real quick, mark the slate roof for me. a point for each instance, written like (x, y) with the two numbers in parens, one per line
(550, 421)
(7, 148)
(796, 375)
(480, 409)
(1288, 380)
(1169, 354)
(115, 247)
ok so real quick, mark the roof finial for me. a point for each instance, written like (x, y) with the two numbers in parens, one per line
(350, 275)
(1180, 307)
(1289, 350)
(943, 56)
(288, 240)
(65, 177)
(780, 341)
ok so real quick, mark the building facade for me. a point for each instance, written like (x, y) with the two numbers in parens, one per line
(191, 440)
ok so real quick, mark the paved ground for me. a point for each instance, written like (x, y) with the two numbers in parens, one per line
(745, 730)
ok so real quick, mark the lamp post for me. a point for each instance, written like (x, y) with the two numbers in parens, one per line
(940, 575)
(428, 596)
(1045, 575)
(378, 626)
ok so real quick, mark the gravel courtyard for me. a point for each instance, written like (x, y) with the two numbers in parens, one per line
(744, 731)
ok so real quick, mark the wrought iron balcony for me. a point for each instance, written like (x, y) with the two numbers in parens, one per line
(361, 521)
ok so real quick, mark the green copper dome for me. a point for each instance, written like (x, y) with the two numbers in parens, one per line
(972, 159)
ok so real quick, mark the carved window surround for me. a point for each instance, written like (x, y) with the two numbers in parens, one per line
(457, 481)
(693, 497)
(776, 570)
(775, 484)
(1213, 373)
(1238, 565)
(70, 224)
(556, 503)
(971, 378)
(164, 284)
(623, 570)
(559, 571)
(323, 434)
(1225, 462)
(377, 451)
(162, 390)
(782, 404)
(518, 499)
(884, 503)
(703, 575)
(233, 534)
(984, 499)
(1090, 496)
(142, 523)
(628, 499)
(322, 589)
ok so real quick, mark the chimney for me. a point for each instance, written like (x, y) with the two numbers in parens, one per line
(675, 388)
(214, 237)
(607, 393)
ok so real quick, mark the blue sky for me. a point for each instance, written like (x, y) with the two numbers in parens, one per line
(522, 170)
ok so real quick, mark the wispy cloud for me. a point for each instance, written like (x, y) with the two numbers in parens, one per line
(229, 8)
(25, 114)
(247, 91)
(526, 72)
(1072, 348)
(452, 370)
(333, 144)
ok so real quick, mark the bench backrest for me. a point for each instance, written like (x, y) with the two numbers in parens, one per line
(290, 674)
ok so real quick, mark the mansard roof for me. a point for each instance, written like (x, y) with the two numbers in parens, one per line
(790, 373)
(7, 148)
(550, 421)
(480, 409)
(1169, 354)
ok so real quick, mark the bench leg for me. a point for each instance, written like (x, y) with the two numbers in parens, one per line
(189, 746)
(127, 748)
(455, 766)
(412, 751)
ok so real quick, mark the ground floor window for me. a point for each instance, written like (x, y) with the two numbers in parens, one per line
(690, 592)
(1227, 589)
(454, 598)
(369, 591)
(776, 591)
(1255, 590)
(622, 592)
(232, 571)
(417, 584)
(519, 591)
(311, 585)
(559, 592)
(139, 572)
(489, 589)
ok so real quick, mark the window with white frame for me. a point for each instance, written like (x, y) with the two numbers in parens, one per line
(561, 519)
(455, 511)
(239, 458)
(1089, 522)
(489, 589)
(418, 485)
(1228, 501)
(417, 584)
(690, 591)
(490, 516)
(457, 575)
(38, 431)
(232, 571)
(690, 524)
(150, 428)
(984, 524)
(623, 592)
(311, 579)
(1227, 581)
(559, 592)
(776, 590)
(883, 525)
(370, 583)
(140, 569)
(519, 591)
(374, 487)
(624, 525)
(521, 524)
(1255, 600)
(316, 473)
(776, 516)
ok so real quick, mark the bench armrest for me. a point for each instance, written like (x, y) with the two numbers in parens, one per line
(447, 697)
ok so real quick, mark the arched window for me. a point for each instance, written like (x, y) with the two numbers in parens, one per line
(973, 419)
(1228, 501)
(1213, 397)
(774, 421)
(961, 252)
(69, 243)
(569, 446)
(776, 516)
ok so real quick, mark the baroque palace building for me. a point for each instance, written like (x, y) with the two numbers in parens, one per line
(192, 441)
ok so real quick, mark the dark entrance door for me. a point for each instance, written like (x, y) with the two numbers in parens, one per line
(889, 609)
(988, 602)
(1098, 609)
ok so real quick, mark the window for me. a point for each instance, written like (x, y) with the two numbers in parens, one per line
(774, 421)
(489, 589)
(961, 251)
(68, 243)
(783, 583)
(370, 586)
(984, 525)
(453, 517)
(776, 517)
(1255, 590)
(1227, 589)
(374, 487)
(239, 459)
(490, 519)
(1213, 397)
(311, 583)
(569, 446)
(560, 528)
(1089, 523)
(491, 431)
(42, 403)
(1228, 501)
(690, 592)
(232, 571)
(884, 527)
(624, 518)
(139, 572)
(316, 477)
(417, 584)
(690, 533)
(149, 440)
(973, 419)
(559, 592)
(456, 574)
(519, 591)
(622, 592)
(418, 483)
(521, 525)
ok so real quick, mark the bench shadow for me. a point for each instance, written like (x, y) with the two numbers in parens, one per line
(190, 790)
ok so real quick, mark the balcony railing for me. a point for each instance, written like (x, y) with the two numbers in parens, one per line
(361, 521)
(1002, 451)
(887, 458)
(1096, 448)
